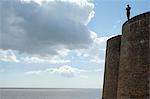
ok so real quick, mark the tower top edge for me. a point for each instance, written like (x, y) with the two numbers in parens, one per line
(114, 38)
(137, 17)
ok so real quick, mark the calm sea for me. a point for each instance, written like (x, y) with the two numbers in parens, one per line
(50, 93)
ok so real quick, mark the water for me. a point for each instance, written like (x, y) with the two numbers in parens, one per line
(50, 93)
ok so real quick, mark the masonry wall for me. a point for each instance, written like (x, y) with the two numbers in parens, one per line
(111, 68)
(127, 66)
(133, 80)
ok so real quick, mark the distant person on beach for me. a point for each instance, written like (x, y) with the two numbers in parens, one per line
(128, 11)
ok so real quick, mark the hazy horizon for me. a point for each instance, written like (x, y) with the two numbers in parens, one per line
(50, 93)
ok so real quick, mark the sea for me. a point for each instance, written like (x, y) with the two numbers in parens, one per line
(51, 93)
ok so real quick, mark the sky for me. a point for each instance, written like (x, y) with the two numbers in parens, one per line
(59, 43)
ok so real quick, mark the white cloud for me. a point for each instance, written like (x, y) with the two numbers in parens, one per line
(33, 72)
(64, 71)
(79, 2)
(50, 60)
(48, 31)
(96, 51)
(8, 56)
(36, 27)
(47, 28)
(12, 56)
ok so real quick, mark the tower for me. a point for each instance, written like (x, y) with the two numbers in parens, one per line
(134, 68)
(127, 66)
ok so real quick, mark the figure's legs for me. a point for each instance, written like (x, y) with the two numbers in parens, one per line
(128, 16)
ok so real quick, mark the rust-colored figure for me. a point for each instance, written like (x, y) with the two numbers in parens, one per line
(128, 11)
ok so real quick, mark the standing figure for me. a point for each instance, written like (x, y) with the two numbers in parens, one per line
(128, 11)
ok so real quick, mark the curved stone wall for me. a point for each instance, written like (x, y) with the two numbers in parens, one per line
(111, 68)
(134, 69)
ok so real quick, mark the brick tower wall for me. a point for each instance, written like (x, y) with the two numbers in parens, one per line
(111, 68)
(134, 69)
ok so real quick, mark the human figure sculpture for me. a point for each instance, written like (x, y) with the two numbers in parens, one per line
(128, 11)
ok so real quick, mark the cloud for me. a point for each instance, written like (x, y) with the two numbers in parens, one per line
(46, 28)
(33, 72)
(50, 60)
(96, 51)
(13, 56)
(64, 71)
(8, 56)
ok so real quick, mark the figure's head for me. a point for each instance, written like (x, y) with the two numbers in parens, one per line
(128, 5)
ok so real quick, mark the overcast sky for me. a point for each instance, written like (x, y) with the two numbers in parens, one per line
(59, 43)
